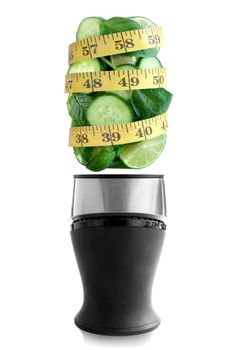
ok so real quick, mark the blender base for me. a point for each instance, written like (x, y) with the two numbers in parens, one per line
(117, 331)
(117, 258)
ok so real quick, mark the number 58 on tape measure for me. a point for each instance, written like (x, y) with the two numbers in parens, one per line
(117, 43)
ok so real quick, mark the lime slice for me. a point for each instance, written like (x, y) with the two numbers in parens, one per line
(141, 154)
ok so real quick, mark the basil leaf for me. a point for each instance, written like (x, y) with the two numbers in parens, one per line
(102, 159)
(119, 149)
(118, 164)
(117, 25)
(148, 103)
(77, 106)
(83, 154)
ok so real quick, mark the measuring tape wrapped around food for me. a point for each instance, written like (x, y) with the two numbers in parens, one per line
(117, 101)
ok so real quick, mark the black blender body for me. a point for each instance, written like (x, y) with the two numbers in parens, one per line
(117, 243)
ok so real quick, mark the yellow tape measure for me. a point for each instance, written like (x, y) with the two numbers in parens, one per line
(118, 134)
(115, 80)
(117, 43)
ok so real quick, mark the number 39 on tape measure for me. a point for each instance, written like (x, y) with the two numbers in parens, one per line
(117, 43)
(118, 134)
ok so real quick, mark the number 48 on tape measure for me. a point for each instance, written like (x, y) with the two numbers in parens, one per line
(115, 80)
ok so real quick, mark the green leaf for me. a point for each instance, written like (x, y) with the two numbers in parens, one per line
(102, 158)
(148, 103)
(83, 154)
(117, 25)
(118, 164)
(106, 64)
(77, 106)
(119, 149)
(144, 53)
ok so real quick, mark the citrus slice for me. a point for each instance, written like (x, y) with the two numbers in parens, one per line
(141, 154)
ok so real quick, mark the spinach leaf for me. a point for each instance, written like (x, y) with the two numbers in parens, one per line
(117, 25)
(148, 103)
(77, 106)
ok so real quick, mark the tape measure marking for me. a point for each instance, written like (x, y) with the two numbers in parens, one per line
(117, 43)
(118, 134)
(115, 80)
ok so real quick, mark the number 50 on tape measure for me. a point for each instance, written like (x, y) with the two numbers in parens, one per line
(115, 80)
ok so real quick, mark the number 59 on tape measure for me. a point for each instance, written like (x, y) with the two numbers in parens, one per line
(117, 43)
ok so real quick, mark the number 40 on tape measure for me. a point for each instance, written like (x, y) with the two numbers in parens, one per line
(104, 135)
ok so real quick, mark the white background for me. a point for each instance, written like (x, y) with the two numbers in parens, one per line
(40, 284)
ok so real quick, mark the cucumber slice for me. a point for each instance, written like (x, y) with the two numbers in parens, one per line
(149, 62)
(89, 27)
(108, 109)
(118, 60)
(125, 94)
(126, 67)
(143, 21)
(85, 66)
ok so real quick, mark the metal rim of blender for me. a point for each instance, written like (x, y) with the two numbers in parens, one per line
(129, 214)
(162, 218)
(122, 176)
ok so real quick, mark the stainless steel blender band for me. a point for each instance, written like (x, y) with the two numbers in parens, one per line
(119, 194)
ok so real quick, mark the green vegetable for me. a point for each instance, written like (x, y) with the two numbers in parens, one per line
(125, 94)
(89, 27)
(85, 66)
(143, 21)
(124, 106)
(108, 109)
(117, 25)
(98, 158)
(78, 105)
(119, 60)
(149, 62)
(102, 158)
(148, 103)
(120, 24)
(106, 64)
(118, 164)
(83, 154)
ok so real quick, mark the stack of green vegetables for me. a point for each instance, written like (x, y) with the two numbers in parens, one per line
(104, 108)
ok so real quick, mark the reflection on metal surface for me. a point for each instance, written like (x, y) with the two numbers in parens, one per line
(119, 194)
